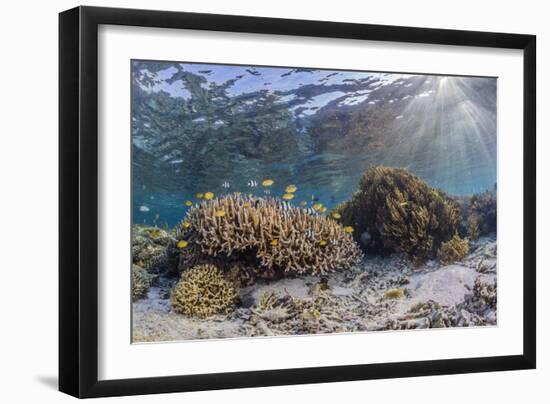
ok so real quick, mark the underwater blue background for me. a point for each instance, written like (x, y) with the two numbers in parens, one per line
(200, 128)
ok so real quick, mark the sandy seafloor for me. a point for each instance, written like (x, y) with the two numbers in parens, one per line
(433, 295)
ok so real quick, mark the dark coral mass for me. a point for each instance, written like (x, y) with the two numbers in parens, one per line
(285, 201)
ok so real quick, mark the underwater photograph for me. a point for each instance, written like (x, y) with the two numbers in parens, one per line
(283, 201)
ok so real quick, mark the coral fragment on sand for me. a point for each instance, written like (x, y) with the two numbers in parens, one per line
(396, 293)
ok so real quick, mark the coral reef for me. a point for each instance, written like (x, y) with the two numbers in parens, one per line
(267, 234)
(453, 250)
(202, 292)
(394, 210)
(149, 248)
(141, 282)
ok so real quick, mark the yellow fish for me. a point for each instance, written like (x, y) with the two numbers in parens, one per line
(336, 215)
(209, 195)
(274, 242)
(186, 224)
(200, 195)
(219, 213)
(288, 196)
(323, 209)
(182, 244)
(246, 205)
(238, 193)
(348, 229)
(291, 188)
(268, 182)
(303, 203)
(318, 206)
(322, 242)
(188, 203)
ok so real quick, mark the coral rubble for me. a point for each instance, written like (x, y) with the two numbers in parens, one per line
(202, 292)
(268, 234)
(393, 210)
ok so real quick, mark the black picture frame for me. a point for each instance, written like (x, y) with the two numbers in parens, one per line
(78, 196)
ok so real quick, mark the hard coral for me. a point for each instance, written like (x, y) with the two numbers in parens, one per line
(141, 282)
(202, 292)
(399, 212)
(149, 248)
(453, 250)
(270, 234)
(275, 307)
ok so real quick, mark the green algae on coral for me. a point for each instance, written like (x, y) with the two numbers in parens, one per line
(203, 292)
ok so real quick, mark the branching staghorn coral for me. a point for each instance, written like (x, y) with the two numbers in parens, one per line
(399, 212)
(273, 235)
(202, 292)
(453, 250)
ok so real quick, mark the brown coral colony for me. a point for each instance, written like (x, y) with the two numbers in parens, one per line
(274, 235)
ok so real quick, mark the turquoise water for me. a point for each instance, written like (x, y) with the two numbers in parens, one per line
(212, 128)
